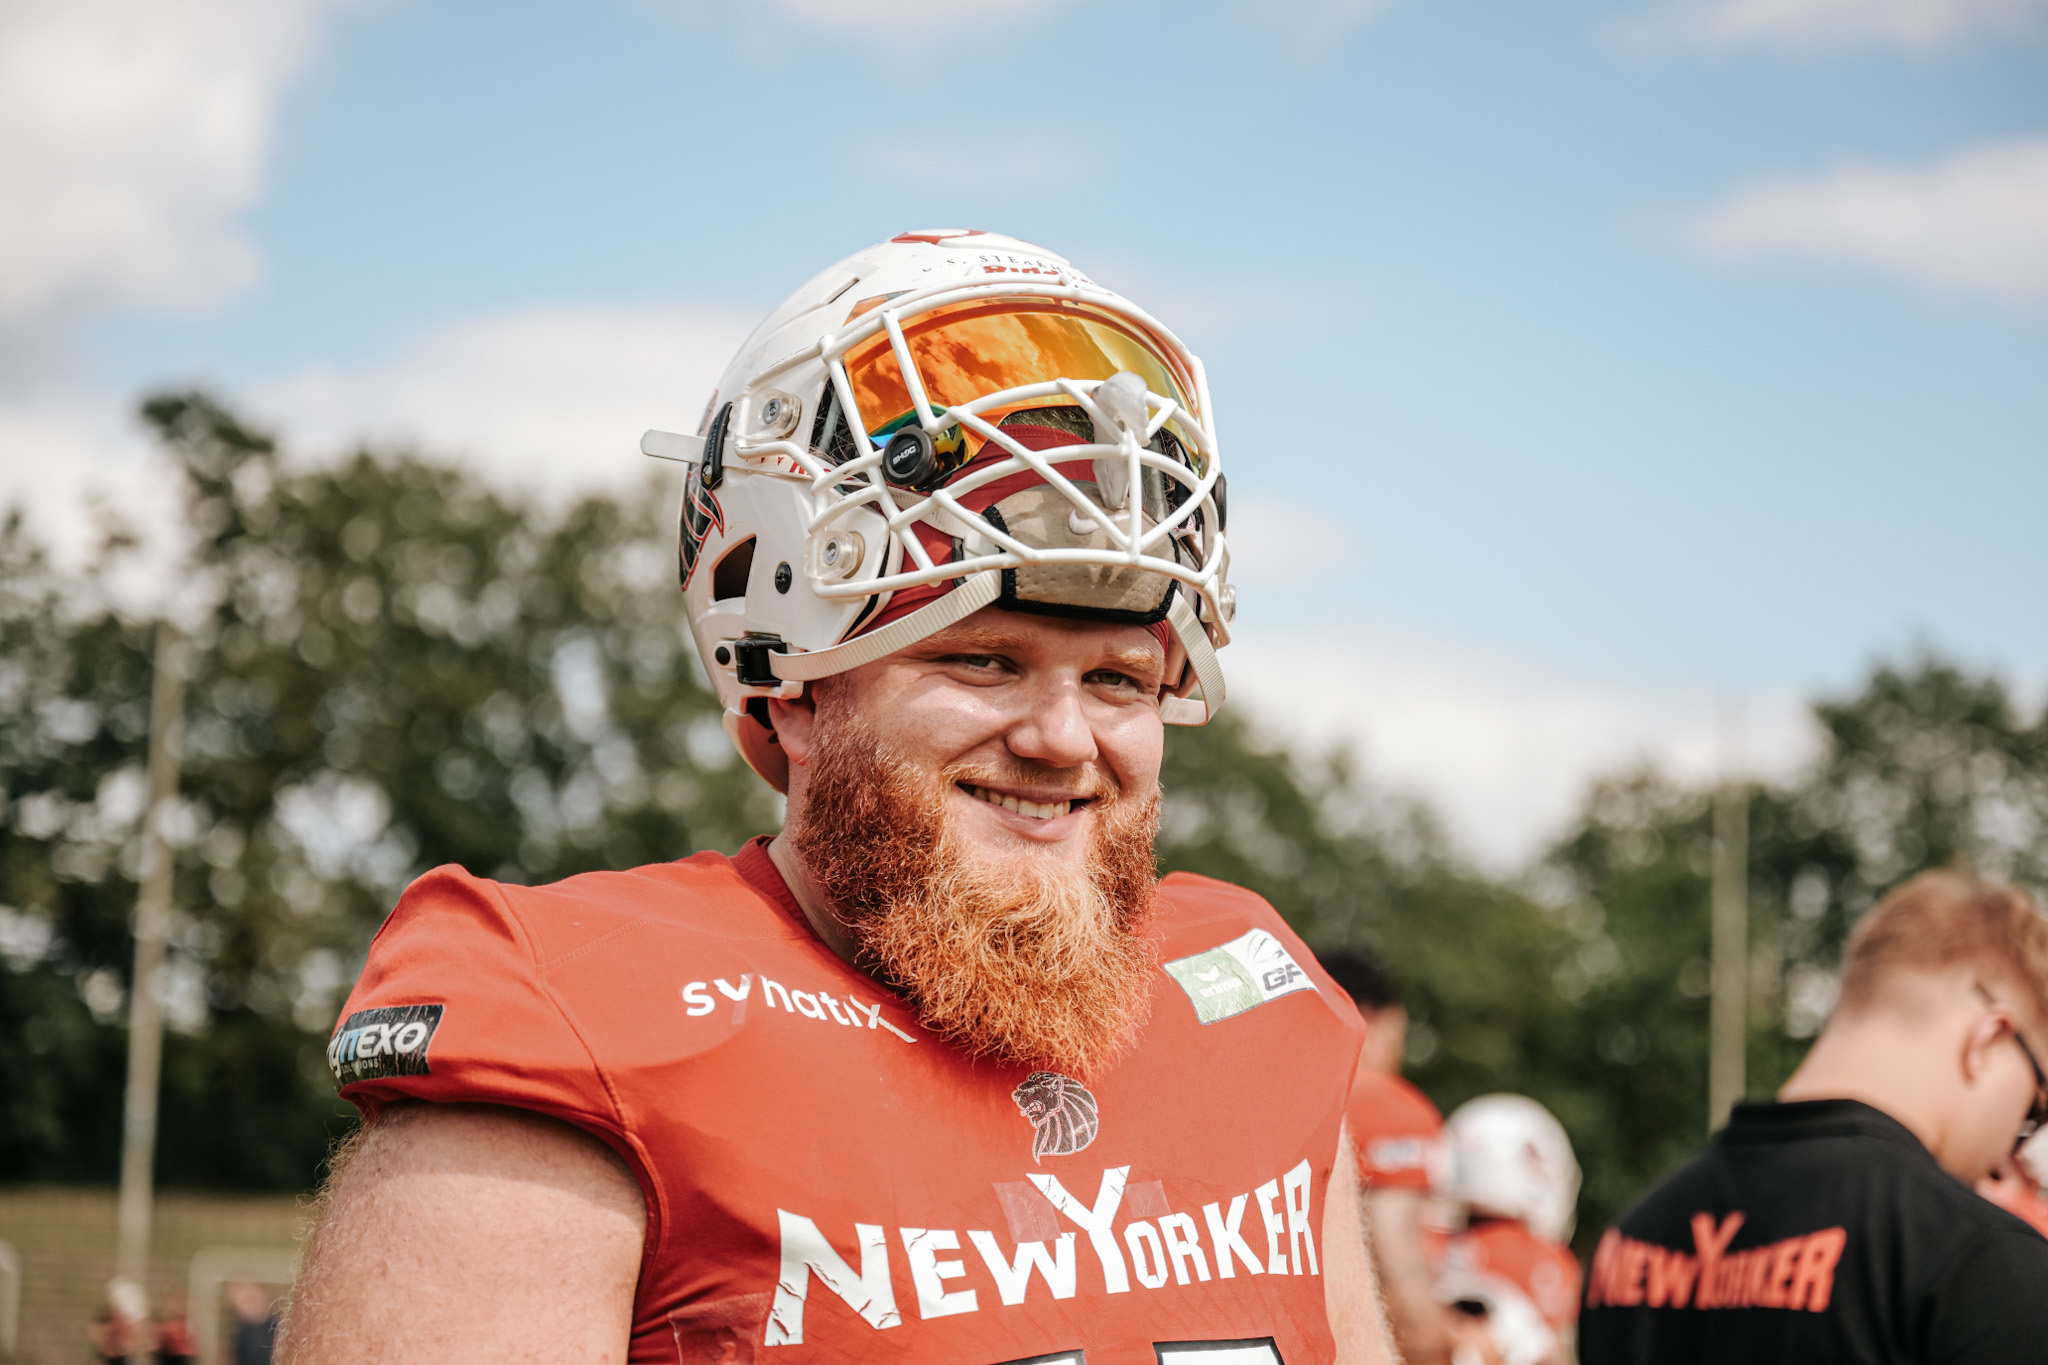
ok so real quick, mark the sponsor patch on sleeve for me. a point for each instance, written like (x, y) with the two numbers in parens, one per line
(374, 1044)
(1239, 975)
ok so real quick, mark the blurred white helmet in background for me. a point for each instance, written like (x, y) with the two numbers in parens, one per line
(2032, 1158)
(1510, 1158)
(1514, 1327)
(943, 421)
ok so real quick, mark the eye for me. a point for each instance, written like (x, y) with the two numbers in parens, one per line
(986, 665)
(1109, 677)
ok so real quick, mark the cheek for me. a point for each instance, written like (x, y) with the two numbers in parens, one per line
(1133, 743)
(929, 720)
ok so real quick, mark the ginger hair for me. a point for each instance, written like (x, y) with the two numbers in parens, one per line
(1940, 921)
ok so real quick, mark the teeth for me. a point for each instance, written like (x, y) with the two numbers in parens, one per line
(1050, 810)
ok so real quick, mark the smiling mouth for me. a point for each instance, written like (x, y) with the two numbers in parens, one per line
(1036, 810)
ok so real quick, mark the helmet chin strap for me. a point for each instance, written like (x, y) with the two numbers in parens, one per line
(1202, 658)
(963, 601)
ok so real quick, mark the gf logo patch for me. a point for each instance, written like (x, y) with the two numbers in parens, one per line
(1239, 975)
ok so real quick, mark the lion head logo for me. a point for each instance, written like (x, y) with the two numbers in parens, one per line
(1061, 1113)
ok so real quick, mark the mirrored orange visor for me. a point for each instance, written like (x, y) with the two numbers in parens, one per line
(971, 350)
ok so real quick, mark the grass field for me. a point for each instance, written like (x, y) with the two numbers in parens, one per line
(65, 1241)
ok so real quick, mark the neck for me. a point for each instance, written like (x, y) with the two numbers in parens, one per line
(823, 922)
(1877, 1060)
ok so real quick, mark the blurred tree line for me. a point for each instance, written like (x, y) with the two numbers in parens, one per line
(396, 666)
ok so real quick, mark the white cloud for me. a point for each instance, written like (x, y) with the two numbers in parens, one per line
(931, 17)
(78, 466)
(1809, 25)
(1975, 224)
(132, 135)
(892, 25)
(56, 452)
(546, 399)
(552, 398)
(1503, 751)
(915, 24)
(1275, 543)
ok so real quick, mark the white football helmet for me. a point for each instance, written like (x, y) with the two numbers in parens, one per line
(2032, 1158)
(1511, 1159)
(1518, 1332)
(946, 420)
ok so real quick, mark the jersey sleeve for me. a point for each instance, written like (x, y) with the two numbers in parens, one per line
(1397, 1131)
(451, 1006)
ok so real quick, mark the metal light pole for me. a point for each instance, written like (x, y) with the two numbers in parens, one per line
(1728, 1016)
(152, 921)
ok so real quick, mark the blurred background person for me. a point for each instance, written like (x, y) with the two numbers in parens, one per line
(2015, 1185)
(118, 1333)
(175, 1342)
(1398, 1134)
(1838, 1223)
(1508, 1272)
(255, 1323)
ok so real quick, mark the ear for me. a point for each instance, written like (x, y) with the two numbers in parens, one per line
(796, 725)
(1980, 1043)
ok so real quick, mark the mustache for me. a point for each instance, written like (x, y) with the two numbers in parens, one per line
(1093, 783)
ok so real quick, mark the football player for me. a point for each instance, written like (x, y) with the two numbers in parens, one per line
(1398, 1134)
(1509, 1270)
(941, 1072)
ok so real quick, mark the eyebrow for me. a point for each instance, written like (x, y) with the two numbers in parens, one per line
(997, 640)
(1135, 660)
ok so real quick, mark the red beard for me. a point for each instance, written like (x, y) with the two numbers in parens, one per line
(1029, 961)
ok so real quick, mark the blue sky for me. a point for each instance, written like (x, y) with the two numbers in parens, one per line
(1576, 363)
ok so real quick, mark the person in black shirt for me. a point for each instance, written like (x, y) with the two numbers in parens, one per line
(1839, 1224)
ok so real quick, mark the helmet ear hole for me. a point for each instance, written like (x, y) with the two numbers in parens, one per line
(831, 436)
(729, 579)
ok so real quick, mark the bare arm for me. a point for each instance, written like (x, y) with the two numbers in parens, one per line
(1350, 1293)
(470, 1232)
(1421, 1325)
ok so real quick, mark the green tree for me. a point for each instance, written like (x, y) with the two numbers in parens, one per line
(394, 667)
(1925, 766)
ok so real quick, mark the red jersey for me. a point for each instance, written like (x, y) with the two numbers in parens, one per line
(1398, 1133)
(827, 1181)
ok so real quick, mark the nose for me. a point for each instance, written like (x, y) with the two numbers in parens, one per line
(1052, 727)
